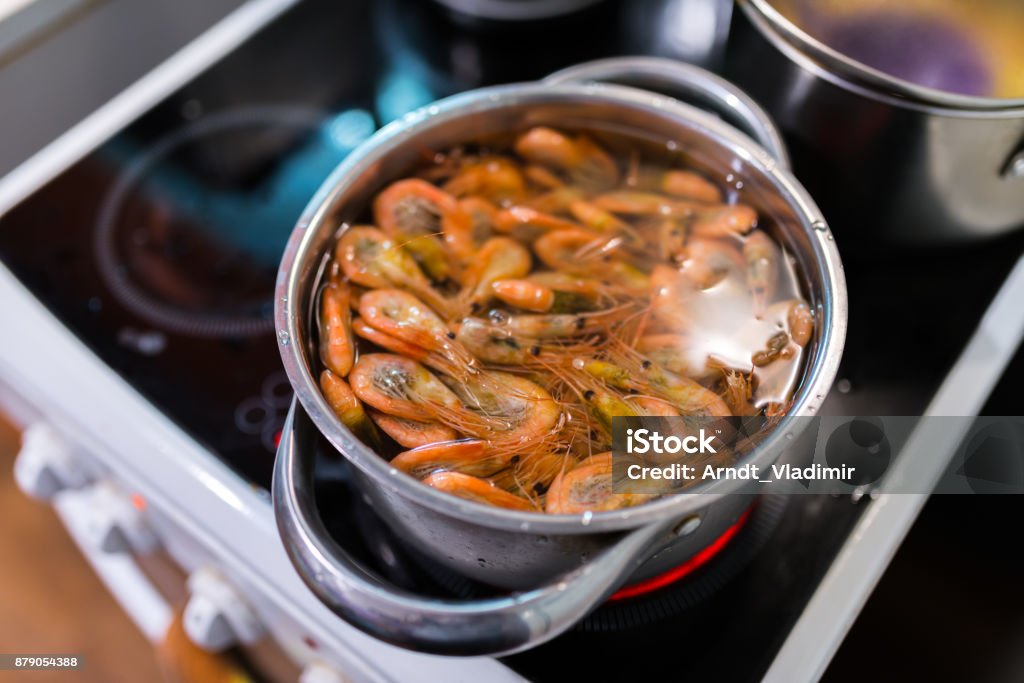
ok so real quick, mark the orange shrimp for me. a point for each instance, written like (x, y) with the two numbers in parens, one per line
(556, 201)
(709, 261)
(580, 252)
(800, 321)
(515, 410)
(414, 212)
(494, 344)
(588, 488)
(500, 258)
(509, 411)
(654, 407)
(560, 325)
(347, 408)
(477, 490)
(519, 218)
(738, 393)
(410, 433)
(632, 203)
(468, 456)
(386, 341)
(403, 316)
(762, 257)
(337, 349)
(400, 386)
(369, 258)
(542, 177)
(524, 294)
(689, 185)
(725, 220)
(630, 370)
(667, 350)
(580, 158)
(670, 294)
(466, 231)
(586, 288)
(597, 219)
(495, 178)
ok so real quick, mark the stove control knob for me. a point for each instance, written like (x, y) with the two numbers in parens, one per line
(319, 672)
(115, 524)
(46, 464)
(216, 617)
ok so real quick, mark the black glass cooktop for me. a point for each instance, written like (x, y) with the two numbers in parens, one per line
(159, 251)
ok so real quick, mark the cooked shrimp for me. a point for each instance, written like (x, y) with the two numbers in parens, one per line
(632, 203)
(542, 177)
(516, 218)
(556, 201)
(800, 320)
(776, 347)
(468, 456)
(689, 185)
(347, 408)
(495, 178)
(560, 325)
(337, 348)
(470, 228)
(524, 294)
(654, 407)
(515, 411)
(670, 294)
(580, 158)
(477, 490)
(722, 221)
(534, 295)
(413, 212)
(599, 220)
(605, 405)
(392, 344)
(579, 292)
(670, 350)
(762, 257)
(580, 252)
(499, 259)
(369, 258)
(709, 261)
(494, 344)
(738, 393)
(399, 386)
(588, 488)
(403, 316)
(638, 373)
(410, 433)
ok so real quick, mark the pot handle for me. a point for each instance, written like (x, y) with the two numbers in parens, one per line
(691, 83)
(491, 626)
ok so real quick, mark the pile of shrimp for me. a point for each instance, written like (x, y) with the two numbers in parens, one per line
(504, 306)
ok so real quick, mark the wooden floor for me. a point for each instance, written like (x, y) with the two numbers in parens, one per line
(51, 602)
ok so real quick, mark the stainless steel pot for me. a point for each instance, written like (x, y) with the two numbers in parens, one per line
(884, 158)
(576, 560)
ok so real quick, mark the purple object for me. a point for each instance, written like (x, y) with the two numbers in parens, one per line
(923, 50)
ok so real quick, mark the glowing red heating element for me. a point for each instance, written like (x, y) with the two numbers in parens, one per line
(686, 568)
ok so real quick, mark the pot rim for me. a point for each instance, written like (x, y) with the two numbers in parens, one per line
(819, 376)
(850, 74)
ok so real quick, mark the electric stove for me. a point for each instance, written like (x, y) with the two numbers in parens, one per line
(157, 251)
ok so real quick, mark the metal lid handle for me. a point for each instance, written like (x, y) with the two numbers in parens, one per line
(493, 626)
(691, 84)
